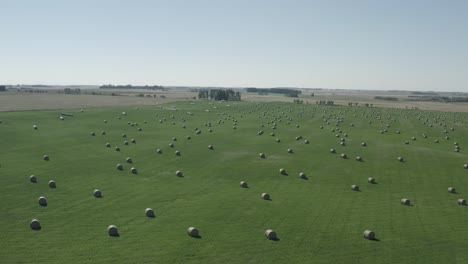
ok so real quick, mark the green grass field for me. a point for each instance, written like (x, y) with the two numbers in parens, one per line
(318, 220)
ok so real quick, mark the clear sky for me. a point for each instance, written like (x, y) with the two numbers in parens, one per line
(347, 44)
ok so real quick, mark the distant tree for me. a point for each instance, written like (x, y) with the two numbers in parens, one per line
(2, 88)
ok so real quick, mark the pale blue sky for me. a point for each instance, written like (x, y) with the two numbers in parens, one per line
(348, 44)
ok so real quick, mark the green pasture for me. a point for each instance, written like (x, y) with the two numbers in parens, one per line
(318, 219)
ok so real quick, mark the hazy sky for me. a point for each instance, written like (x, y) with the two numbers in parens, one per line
(355, 44)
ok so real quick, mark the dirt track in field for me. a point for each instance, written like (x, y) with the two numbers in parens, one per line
(22, 101)
(36, 101)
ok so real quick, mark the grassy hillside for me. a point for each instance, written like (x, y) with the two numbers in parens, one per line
(318, 219)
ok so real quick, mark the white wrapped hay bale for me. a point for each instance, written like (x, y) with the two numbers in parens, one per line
(112, 230)
(35, 224)
(271, 234)
(33, 178)
(97, 193)
(52, 184)
(42, 201)
(193, 232)
(149, 212)
(405, 201)
(369, 234)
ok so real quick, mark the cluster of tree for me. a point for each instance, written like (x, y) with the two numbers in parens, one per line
(387, 98)
(298, 101)
(356, 104)
(71, 91)
(324, 102)
(2, 88)
(219, 94)
(128, 86)
(285, 91)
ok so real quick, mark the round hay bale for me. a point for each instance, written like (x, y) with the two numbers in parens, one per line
(174, 139)
(42, 201)
(124, 135)
(125, 142)
(188, 137)
(363, 144)
(306, 141)
(133, 170)
(271, 234)
(97, 193)
(171, 145)
(332, 151)
(108, 145)
(35, 224)
(342, 144)
(159, 151)
(302, 175)
(465, 166)
(61, 118)
(33, 178)
(413, 138)
(210, 147)
(283, 172)
(45, 157)
(193, 232)
(354, 187)
(278, 140)
(262, 155)
(133, 141)
(272, 134)
(103, 133)
(370, 180)
(112, 230)
(369, 235)
(119, 167)
(93, 134)
(358, 158)
(436, 141)
(52, 184)
(290, 151)
(117, 149)
(406, 142)
(400, 159)
(149, 212)
(265, 196)
(344, 156)
(179, 174)
(34, 127)
(456, 150)
(243, 184)
(405, 201)
(177, 153)
(461, 201)
(129, 160)
(451, 190)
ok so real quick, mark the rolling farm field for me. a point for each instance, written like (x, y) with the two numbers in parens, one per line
(318, 218)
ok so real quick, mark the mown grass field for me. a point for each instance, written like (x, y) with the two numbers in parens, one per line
(318, 220)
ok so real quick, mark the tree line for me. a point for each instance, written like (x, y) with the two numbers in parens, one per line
(219, 94)
(285, 91)
(128, 86)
